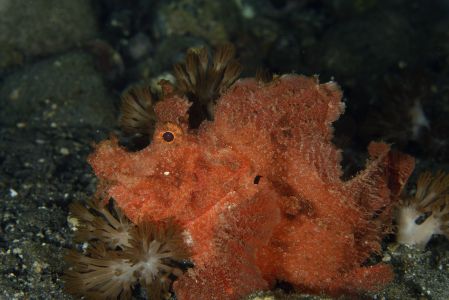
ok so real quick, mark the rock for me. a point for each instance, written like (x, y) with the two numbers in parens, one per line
(66, 90)
(42, 27)
(198, 18)
(375, 41)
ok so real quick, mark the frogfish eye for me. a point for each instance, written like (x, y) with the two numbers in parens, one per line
(168, 136)
(168, 133)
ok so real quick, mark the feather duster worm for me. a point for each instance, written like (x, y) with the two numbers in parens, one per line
(137, 118)
(120, 254)
(426, 212)
(202, 80)
(258, 190)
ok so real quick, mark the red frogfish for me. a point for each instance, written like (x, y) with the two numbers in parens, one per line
(258, 191)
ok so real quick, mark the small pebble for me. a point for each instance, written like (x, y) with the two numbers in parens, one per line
(64, 151)
(13, 193)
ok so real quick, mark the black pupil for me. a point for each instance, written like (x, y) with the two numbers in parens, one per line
(422, 218)
(168, 136)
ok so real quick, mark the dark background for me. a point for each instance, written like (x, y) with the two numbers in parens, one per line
(64, 64)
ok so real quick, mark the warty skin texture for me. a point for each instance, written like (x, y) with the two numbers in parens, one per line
(258, 191)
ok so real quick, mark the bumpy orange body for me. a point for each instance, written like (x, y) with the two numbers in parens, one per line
(259, 191)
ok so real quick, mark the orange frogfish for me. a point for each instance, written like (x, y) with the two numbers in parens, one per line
(258, 190)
